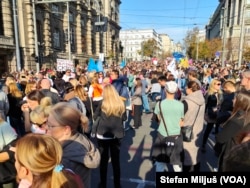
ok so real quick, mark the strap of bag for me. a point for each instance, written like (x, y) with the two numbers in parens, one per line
(91, 108)
(163, 118)
(196, 116)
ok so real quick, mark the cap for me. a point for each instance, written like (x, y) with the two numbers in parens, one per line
(171, 86)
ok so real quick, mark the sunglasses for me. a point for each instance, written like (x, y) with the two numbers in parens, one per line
(218, 84)
(39, 124)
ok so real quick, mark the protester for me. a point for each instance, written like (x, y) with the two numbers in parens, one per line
(34, 98)
(8, 138)
(137, 104)
(15, 96)
(4, 103)
(213, 101)
(172, 113)
(109, 133)
(38, 162)
(238, 122)
(194, 108)
(63, 123)
(245, 80)
(46, 90)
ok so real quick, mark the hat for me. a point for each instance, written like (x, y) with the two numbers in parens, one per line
(171, 86)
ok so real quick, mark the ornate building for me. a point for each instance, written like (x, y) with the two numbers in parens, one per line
(74, 30)
(231, 23)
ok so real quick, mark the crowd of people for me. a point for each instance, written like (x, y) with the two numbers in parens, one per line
(48, 120)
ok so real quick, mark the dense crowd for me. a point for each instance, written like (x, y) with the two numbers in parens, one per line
(47, 120)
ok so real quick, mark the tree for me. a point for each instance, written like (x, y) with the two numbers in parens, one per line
(149, 48)
(190, 42)
(206, 48)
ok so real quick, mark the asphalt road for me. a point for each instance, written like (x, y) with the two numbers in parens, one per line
(137, 170)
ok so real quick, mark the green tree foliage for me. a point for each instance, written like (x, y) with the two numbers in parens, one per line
(149, 48)
(206, 48)
(190, 42)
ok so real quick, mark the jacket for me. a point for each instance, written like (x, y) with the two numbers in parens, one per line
(195, 104)
(109, 126)
(226, 138)
(74, 151)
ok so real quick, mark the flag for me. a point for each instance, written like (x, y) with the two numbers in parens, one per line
(184, 63)
(123, 64)
(92, 66)
(178, 56)
(99, 66)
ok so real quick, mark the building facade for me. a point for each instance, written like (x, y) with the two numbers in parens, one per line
(231, 23)
(73, 31)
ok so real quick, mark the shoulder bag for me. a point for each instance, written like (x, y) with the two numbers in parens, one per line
(95, 122)
(187, 131)
(169, 141)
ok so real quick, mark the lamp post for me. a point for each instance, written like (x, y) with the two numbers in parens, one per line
(197, 49)
(69, 32)
(242, 34)
(224, 38)
(35, 36)
(18, 61)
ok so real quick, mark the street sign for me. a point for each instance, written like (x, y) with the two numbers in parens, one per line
(99, 23)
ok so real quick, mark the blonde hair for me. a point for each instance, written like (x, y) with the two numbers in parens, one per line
(67, 115)
(14, 91)
(80, 92)
(40, 113)
(211, 89)
(41, 154)
(74, 82)
(29, 87)
(9, 80)
(112, 103)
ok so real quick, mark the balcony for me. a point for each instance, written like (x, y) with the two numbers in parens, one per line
(7, 42)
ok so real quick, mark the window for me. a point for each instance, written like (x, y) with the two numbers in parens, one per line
(82, 22)
(72, 39)
(71, 17)
(55, 9)
(56, 38)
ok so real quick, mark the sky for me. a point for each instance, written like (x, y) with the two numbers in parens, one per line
(171, 17)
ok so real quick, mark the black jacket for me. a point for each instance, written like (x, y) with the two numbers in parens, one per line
(108, 126)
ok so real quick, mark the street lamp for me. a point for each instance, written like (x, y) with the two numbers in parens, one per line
(224, 37)
(242, 34)
(197, 49)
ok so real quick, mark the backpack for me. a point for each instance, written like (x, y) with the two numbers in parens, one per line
(124, 92)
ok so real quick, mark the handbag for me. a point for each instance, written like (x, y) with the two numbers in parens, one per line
(187, 131)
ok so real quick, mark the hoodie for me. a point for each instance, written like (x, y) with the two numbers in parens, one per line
(74, 152)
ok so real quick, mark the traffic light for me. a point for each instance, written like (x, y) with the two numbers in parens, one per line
(37, 59)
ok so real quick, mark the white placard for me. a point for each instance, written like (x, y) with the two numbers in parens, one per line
(64, 64)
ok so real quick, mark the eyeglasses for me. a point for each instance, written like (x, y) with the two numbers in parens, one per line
(52, 126)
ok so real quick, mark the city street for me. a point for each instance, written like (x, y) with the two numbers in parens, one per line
(137, 170)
